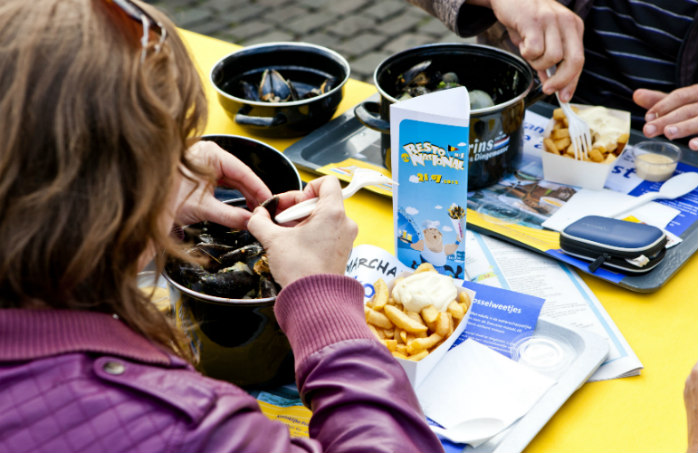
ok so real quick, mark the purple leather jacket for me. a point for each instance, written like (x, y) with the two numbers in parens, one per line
(83, 381)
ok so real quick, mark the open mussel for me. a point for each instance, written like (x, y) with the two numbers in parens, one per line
(231, 264)
(324, 87)
(414, 77)
(274, 87)
(267, 285)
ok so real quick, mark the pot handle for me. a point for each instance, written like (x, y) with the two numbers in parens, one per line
(243, 119)
(368, 114)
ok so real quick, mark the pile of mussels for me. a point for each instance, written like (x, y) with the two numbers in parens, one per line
(273, 87)
(235, 265)
(422, 78)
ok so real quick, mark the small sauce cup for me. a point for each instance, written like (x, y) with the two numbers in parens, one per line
(656, 161)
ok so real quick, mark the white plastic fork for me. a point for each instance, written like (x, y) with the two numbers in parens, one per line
(580, 134)
(362, 177)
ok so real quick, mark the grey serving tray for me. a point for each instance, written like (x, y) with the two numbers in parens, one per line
(344, 137)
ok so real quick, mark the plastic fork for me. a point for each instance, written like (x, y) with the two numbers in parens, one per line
(362, 177)
(580, 134)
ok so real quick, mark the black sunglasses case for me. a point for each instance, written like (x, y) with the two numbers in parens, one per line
(616, 244)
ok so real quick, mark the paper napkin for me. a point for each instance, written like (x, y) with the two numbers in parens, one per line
(475, 392)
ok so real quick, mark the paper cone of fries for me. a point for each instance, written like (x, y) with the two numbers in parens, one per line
(457, 215)
(418, 340)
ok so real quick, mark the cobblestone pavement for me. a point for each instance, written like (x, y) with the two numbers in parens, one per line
(365, 32)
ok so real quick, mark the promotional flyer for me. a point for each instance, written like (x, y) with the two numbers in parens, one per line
(430, 163)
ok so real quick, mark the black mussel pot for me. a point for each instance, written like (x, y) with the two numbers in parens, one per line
(271, 165)
(316, 76)
(239, 340)
(496, 132)
(236, 340)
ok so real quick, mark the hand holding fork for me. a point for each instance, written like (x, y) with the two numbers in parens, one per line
(580, 134)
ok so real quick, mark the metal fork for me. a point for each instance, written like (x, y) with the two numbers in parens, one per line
(580, 134)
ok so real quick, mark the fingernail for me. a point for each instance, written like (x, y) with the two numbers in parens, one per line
(671, 131)
(565, 96)
(651, 116)
(650, 129)
(693, 144)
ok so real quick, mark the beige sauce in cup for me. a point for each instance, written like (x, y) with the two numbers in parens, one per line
(654, 167)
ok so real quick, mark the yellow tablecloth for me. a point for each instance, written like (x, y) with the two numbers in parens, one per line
(639, 414)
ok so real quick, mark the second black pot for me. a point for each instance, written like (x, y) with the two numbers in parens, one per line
(495, 132)
(305, 65)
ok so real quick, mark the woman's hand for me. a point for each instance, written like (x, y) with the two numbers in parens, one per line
(227, 171)
(673, 114)
(690, 399)
(319, 244)
(547, 33)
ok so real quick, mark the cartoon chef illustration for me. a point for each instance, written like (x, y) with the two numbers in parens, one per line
(433, 250)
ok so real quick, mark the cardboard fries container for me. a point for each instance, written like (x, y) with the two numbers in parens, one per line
(585, 174)
(418, 370)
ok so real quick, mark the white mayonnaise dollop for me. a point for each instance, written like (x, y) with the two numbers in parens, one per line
(605, 128)
(424, 288)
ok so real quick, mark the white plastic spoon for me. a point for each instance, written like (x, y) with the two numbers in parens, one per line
(362, 177)
(674, 187)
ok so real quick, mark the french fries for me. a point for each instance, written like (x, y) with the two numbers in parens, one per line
(403, 321)
(558, 142)
(408, 334)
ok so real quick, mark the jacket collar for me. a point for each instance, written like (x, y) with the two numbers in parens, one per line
(27, 334)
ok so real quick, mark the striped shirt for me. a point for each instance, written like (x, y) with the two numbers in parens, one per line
(632, 44)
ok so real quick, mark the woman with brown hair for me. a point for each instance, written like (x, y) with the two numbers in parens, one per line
(99, 109)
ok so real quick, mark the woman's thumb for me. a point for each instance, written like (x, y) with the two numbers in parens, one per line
(261, 226)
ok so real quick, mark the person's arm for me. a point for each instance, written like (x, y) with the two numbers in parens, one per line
(360, 397)
(545, 32)
(460, 16)
(675, 114)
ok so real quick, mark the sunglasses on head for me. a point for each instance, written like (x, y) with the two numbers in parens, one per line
(138, 14)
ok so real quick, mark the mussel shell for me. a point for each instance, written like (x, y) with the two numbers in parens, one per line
(414, 76)
(274, 88)
(243, 254)
(249, 91)
(268, 287)
(271, 205)
(233, 283)
(187, 274)
(211, 249)
(261, 266)
(217, 234)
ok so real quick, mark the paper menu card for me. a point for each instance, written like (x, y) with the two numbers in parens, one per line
(429, 146)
